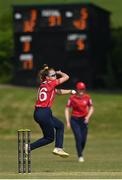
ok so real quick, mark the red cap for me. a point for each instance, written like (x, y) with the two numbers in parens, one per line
(80, 86)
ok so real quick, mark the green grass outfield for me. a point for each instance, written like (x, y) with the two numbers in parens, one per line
(103, 157)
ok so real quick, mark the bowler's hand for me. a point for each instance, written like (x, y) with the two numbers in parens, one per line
(58, 72)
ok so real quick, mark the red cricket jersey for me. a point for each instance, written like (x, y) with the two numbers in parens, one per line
(79, 104)
(46, 93)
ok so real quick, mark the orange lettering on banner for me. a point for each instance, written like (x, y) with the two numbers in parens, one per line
(52, 21)
(26, 46)
(33, 15)
(80, 44)
(28, 65)
(82, 22)
(28, 25)
(84, 13)
(55, 20)
(59, 20)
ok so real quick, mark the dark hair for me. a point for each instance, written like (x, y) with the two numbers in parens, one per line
(44, 72)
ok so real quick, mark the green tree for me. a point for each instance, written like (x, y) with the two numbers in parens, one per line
(6, 47)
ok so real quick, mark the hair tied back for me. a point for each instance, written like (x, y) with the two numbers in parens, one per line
(45, 67)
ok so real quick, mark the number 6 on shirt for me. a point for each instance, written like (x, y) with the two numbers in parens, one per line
(42, 94)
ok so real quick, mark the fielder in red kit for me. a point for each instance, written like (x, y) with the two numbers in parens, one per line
(82, 109)
(52, 128)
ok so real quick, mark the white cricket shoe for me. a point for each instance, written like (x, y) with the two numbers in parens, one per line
(81, 159)
(60, 152)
